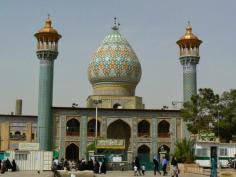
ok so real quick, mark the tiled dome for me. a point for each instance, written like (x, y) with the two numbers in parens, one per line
(114, 62)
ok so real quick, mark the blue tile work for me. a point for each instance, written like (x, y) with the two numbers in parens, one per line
(45, 97)
(114, 61)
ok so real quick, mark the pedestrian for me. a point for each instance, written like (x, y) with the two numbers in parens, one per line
(175, 169)
(137, 164)
(135, 170)
(156, 166)
(164, 163)
(143, 169)
(13, 165)
(103, 166)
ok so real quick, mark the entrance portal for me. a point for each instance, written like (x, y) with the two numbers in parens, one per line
(72, 152)
(144, 156)
(119, 130)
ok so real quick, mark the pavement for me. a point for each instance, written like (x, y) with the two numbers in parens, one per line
(108, 174)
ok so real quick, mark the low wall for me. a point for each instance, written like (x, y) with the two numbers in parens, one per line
(190, 168)
(64, 173)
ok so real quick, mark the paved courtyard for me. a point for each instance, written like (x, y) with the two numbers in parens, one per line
(109, 174)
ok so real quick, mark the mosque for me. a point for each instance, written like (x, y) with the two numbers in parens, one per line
(115, 120)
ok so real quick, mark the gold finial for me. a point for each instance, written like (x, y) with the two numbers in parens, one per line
(189, 28)
(48, 22)
(116, 26)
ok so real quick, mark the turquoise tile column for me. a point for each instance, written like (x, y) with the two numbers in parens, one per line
(189, 83)
(154, 135)
(44, 126)
(189, 77)
(83, 136)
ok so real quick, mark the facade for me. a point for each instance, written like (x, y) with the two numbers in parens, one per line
(15, 129)
(113, 110)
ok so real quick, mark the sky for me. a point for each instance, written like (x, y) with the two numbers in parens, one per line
(152, 28)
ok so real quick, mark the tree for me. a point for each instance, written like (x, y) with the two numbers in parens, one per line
(227, 116)
(208, 112)
(184, 151)
(199, 113)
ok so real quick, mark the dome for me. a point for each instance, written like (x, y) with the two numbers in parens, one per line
(114, 62)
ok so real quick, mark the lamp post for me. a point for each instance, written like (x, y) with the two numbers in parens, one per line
(96, 102)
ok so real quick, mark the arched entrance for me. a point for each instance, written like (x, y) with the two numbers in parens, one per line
(164, 151)
(72, 152)
(120, 130)
(144, 156)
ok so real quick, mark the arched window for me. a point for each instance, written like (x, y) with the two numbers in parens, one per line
(72, 127)
(163, 129)
(143, 129)
(92, 128)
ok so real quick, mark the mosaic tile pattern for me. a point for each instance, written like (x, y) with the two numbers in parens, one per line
(114, 61)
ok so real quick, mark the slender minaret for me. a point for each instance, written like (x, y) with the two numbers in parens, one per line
(189, 58)
(47, 51)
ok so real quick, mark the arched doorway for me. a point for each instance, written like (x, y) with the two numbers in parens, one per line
(120, 130)
(72, 152)
(163, 129)
(144, 156)
(72, 127)
(164, 151)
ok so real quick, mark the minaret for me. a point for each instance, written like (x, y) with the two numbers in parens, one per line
(47, 51)
(189, 58)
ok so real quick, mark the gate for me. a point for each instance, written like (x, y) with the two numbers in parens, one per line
(144, 159)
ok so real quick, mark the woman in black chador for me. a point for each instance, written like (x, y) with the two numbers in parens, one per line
(103, 166)
(13, 165)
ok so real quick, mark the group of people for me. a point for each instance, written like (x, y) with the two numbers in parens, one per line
(163, 163)
(6, 165)
(158, 165)
(138, 168)
(94, 165)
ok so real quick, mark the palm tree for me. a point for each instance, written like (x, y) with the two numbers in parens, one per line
(184, 151)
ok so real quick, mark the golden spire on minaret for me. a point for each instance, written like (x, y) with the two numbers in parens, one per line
(48, 32)
(47, 35)
(189, 39)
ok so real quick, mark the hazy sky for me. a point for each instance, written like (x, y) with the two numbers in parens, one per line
(152, 27)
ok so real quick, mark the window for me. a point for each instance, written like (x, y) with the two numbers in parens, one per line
(223, 151)
(21, 156)
(201, 152)
(143, 128)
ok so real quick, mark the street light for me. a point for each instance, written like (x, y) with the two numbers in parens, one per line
(96, 102)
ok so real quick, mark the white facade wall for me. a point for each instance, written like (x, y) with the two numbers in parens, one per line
(32, 160)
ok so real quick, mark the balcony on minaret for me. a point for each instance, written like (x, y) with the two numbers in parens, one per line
(185, 51)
